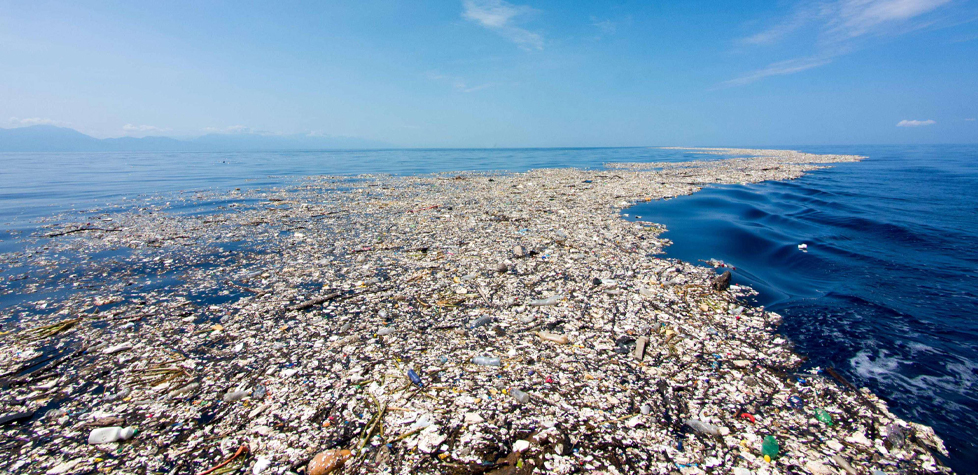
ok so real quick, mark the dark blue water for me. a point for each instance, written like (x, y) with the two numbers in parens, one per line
(887, 291)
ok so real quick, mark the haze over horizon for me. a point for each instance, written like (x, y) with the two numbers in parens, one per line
(484, 73)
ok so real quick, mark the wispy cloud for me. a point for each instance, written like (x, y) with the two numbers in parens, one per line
(790, 66)
(143, 129)
(835, 28)
(969, 120)
(915, 123)
(802, 15)
(964, 39)
(499, 16)
(457, 83)
(37, 121)
(607, 27)
(854, 18)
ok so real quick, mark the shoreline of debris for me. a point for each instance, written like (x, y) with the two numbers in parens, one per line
(472, 322)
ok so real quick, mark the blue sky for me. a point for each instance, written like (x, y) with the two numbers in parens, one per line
(483, 73)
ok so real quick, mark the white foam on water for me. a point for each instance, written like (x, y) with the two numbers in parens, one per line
(881, 367)
(959, 378)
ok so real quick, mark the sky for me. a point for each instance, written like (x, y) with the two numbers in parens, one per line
(491, 73)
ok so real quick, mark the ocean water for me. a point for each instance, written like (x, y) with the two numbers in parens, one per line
(886, 292)
(35, 185)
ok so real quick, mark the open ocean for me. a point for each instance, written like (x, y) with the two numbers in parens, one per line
(887, 291)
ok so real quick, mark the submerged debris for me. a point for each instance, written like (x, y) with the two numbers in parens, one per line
(463, 323)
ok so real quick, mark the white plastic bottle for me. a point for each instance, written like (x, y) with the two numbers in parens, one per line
(105, 435)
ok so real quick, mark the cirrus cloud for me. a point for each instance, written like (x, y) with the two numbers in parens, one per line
(499, 16)
(837, 28)
(915, 123)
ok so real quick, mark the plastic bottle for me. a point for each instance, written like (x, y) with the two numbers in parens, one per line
(413, 376)
(185, 390)
(480, 322)
(119, 395)
(769, 448)
(487, 361)
(547, 301)
(823, 416)
(117, 348)
(796, 402)
(385, 331)
(232, 396)
(559, 339)
(328, 461)
(703, 427)
(895, 435)
(105, 435)
(520, 396)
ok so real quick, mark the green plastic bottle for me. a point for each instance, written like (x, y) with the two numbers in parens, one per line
(769, 448)
(823, 416)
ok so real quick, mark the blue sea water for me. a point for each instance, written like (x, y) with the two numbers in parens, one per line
(34, 185)
(886, 292)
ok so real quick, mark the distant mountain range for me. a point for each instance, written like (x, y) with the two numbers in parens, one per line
(48, 138)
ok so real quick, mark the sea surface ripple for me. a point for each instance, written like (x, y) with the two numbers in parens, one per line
(887, 291)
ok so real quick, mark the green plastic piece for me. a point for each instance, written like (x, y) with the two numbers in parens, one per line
(823, 416)
(770, 446)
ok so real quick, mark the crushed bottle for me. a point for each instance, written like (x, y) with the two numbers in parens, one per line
(487, 361)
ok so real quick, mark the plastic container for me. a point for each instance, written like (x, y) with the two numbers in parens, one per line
(117, 348)
(480, 322)
(105, 435)
(547, 301)
(823, 416)
(487, 361)
(769, 448)
(232, 396)
(520, 396)
(559, 339)
(415, 379)
(703, 427)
